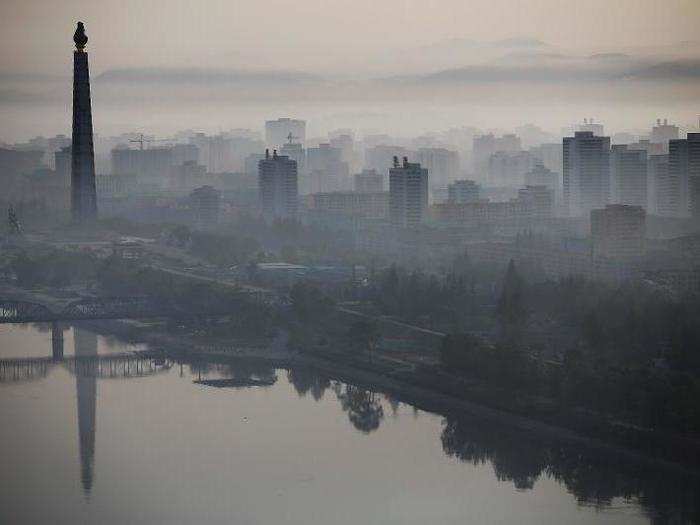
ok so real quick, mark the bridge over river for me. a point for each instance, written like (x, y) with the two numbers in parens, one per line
(94, 308)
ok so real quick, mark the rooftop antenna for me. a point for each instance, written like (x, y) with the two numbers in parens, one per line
(291, 137)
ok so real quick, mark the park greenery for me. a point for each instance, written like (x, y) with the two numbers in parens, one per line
(631, 350)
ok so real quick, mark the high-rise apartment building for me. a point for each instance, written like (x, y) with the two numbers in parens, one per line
(443, 165)
(327, 170)
(586, 173)
(408, 193)
(683, 171)
(628, 176)
(278, 187)
(461, 191)
(369, 181)
(659, 197)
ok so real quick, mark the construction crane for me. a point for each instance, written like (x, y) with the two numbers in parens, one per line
(140, 141)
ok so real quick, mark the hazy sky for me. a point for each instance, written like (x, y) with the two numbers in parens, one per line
(36, 35)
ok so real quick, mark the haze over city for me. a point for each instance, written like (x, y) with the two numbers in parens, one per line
(333, 262)
(366, 62)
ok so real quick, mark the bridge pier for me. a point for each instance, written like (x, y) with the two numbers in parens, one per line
(56, 341)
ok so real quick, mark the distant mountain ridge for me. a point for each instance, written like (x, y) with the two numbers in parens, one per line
(204, 76)
(595, 68)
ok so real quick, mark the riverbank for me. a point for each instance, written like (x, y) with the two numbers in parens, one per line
(427, 387)
(402, 384)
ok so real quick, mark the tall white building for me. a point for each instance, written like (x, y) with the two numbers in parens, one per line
(443, 165)
(327, 171)
(586, 173)
(408, 193)
(277, 186)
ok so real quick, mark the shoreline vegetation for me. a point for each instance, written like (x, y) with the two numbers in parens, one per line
(489, 375)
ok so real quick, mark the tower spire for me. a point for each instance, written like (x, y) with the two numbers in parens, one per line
(83, 193)
(79, 37)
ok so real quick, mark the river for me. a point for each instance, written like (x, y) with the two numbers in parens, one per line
(108, 438)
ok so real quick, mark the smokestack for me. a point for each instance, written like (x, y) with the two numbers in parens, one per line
(267, 153)
(658, 121)
(274, 153)
(405, 162)
(396, 161)
(665, 122)
(585, 121)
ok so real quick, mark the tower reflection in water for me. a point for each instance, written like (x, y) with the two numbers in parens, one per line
(86, 387)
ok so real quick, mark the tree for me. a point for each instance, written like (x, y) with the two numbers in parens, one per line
(309, 301)
(511, 304)
(365, 334)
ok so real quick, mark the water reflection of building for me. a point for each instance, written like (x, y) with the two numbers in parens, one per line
(86, 387)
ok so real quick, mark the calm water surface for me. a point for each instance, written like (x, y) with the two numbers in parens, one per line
(114, 439)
